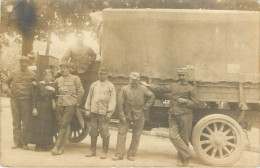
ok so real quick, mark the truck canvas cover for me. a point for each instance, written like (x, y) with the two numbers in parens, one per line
(218, 45)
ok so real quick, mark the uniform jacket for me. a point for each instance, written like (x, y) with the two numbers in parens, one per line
(101, 98)
(80, 56)
(20, 84)
(133, 101)
(178, 90)
(70, 90)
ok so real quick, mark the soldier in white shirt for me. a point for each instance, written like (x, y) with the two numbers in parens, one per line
(100, 104)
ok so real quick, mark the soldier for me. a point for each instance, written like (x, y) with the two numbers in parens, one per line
(101, 103)
(134, 100)
(70, 93)
(81, 57)
(21, 88)
(180, 114)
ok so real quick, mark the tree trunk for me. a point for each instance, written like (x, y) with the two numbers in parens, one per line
(47, 51)
(27, 43)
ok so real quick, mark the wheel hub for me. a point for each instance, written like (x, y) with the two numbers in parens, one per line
(218, 139)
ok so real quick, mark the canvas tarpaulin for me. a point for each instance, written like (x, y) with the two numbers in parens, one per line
(218, 45)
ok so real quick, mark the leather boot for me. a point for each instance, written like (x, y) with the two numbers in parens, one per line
(130, 157)
(55, 150)
(60, 150)
(63, 142)
(117, 157)
(25, 147)
(92, 152)
(16, 146)
(105, 148)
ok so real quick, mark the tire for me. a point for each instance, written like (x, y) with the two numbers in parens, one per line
(218, 140)
(77, 133)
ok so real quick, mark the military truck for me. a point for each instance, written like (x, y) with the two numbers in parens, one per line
(221, 52)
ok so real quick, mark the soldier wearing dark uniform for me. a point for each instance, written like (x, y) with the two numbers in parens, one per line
(101, 103)
(80, 57)
(133, 102)
(21, 88)
(180, 114)
(70, 93)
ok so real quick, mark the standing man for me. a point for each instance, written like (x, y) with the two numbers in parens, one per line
(180, 114)
(134, 100)
(101, 104)
(70, 93)
(21, 89)
(80, 57)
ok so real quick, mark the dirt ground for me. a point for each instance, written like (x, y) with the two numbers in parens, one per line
(153, 151)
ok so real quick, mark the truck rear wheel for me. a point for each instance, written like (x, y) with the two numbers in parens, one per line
(78, 134)
(218, 140)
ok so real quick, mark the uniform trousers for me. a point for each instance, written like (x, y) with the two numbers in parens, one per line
(99, 125)
(180, 127)
(64, 115)
(22, 114)
(136, 135)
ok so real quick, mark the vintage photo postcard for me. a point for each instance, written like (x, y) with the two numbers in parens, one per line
(130, 83)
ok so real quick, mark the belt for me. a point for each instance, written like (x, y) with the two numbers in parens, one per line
(67, 95)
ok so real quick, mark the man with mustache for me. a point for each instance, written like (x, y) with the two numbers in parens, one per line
(101, 104)
(70, 93)
(133, 102)
(21, 88)
(81, 57)
(183, 98)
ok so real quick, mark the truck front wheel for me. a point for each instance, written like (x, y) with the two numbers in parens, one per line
(218, 140)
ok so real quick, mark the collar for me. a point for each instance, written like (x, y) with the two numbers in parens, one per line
(43, 82)
(134, 87)
(184, 84)
(26, 70)
(66, 75)
(103, 81)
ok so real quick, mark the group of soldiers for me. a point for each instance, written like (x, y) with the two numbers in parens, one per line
(99, 103)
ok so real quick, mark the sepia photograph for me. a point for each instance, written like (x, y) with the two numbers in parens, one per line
(130, 83)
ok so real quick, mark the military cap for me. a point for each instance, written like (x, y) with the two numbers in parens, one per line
(182, 71)
(135, 75)
(102, 70)
(24, 58)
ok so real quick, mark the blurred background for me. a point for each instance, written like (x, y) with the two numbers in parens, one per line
(47, 27)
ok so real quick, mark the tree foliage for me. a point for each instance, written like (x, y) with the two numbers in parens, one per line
(45, 16)
(62, 16)
(37, 19)
(10, 54)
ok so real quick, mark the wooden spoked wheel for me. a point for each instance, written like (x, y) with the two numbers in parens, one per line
(218, 140)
